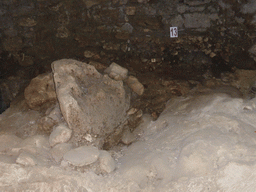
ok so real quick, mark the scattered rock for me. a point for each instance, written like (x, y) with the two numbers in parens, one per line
(111, 46)
(249, 7)
(19, 119)
(99, 66)
(60, 134)
(53, 117)
(90, 3)
(135, 85)
(34, 145)
(81, 156)
(26, 159)
(134, 118)
(199, 20)
(127, 27)
(88, 54)
(46, 124)
(116, 72)
(7, 142)
(107, 163)
(146, 120)
(62, 32)
(59, 150)
(128, 137)
(40, 92)
(27, 22)
(130, 10)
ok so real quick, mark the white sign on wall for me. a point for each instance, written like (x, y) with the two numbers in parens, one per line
(173, 32)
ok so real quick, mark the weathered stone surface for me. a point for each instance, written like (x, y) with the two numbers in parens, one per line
(19, 120)
(199, 20)
(46, 124)
(177, 21)
(60, 134)
(9, 159)
(135, 85)
(59, 150)
(249, 7)
(32, 151)
(127, 27)
(62, 32)
(26, 159)
(40, 91)
(34, 145)
(88, 54)
(130, 10)
(35, 37)
(128, 137)
(81, 156)
(8, 142)
(52, 117)
(92, 104)
(107, 163)
(90, 3)
(116, 72)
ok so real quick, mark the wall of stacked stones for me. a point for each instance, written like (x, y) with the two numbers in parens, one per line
(133, 33)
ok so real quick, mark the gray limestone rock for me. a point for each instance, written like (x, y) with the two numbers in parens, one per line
(107, 163)
(127, 27)
(59, 150)
(199, 20)
(135, 85)
(93, 105)
(9, 159)
(8, 141)
(81, 156)
(128, 137)
(60, 134)
(26, 159)
(177, 21)
(249, 7)
(116, 72)
(35, 150)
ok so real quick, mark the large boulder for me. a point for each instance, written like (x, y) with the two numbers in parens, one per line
(92, 104)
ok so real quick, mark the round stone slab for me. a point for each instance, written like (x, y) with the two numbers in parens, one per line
(81, 156)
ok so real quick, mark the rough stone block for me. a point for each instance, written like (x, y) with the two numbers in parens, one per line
(135, 85)
(93, 105)
(81, 156)
(60, 134)
(116, 72)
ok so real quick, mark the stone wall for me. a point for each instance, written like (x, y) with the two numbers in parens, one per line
(213, 35)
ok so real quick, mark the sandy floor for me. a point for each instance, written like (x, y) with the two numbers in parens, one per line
(199, 143)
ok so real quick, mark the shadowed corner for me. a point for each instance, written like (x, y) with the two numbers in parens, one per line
(3, 105)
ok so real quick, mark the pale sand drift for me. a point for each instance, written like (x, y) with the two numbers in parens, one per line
(200, 143)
